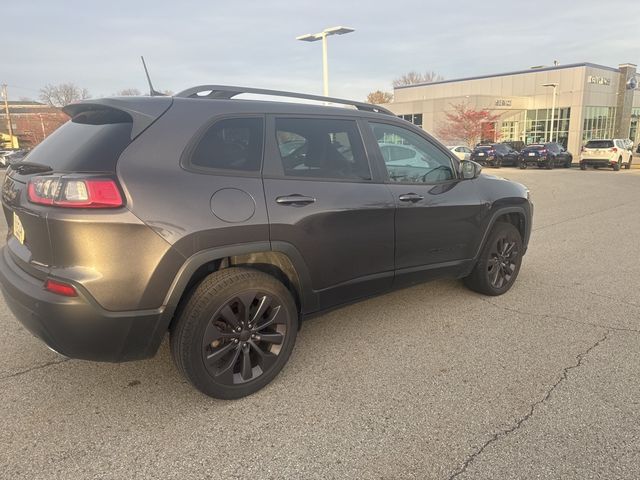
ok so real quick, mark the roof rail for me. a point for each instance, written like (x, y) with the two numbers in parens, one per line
(226, 92)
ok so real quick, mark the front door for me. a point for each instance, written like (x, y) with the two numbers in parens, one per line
(323, 200)
(438, 215)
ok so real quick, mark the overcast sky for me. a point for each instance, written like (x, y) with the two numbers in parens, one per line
(97, 45)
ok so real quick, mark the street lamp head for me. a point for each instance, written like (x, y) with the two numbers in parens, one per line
(338, 30)
(309, 37)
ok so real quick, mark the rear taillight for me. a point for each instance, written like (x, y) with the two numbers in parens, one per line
(544, 150)
(614, 149)
(60, 288)
(74, 192)
(582, 149)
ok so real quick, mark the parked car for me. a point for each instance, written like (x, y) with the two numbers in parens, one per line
(606, 153)
(460, 151)
(11, 156)
(16, 156)
(545, 155)
(517, 145)
(147, 215)
(494, 155)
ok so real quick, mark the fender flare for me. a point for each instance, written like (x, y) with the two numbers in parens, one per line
(494, 217)
(308, 298)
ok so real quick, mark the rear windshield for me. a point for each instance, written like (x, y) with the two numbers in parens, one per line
(484, 147)
(599, 144)
(90, 142)
(534, 147)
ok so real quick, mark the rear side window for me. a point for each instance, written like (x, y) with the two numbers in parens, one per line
(230, 144)
(599, 144)
(91, 142)
(321, 148)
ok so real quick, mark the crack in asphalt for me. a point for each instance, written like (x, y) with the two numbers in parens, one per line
(37, 367)
(497, 436)
(561, 317)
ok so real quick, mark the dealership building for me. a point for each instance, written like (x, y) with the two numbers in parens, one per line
(592, 101)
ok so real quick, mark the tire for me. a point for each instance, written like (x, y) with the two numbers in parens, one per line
(567, 164)
(627, 165)
(523, 165)
(484, 276)
(583, 166)
(239, 362)
(616, 166)
(498, 163)
(549, 165)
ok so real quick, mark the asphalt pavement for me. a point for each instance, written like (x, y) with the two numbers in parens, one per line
(430, 382)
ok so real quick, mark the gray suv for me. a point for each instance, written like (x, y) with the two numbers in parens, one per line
(226, 222)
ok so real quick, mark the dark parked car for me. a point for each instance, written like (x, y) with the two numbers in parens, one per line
(517, 145)
(545, 155)
(227, 222)
(494, 155)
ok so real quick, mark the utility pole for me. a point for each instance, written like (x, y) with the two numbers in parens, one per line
(6, 109)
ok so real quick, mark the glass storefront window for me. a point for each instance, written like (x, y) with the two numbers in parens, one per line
(538, 126)
(598, 122)
(635, 120)
(415, 118)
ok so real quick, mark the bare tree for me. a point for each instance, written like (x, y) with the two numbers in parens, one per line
(413, 77)
(62, 94)
(129, 92)
(378, 97)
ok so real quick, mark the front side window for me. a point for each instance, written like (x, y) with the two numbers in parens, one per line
(421, 162)
(231, 144)
(321, 148)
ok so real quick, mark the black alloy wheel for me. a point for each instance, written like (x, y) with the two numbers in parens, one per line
(243, 338)
(235, 333)
(499, 262)
(502, 263)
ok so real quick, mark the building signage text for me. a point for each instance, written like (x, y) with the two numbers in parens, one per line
(501, 102)
(598, 80)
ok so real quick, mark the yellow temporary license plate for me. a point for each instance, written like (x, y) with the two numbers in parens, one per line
(18, 230)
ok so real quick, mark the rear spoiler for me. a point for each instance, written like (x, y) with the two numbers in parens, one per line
(142, 110)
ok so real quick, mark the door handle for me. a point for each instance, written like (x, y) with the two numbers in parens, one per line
(295, 200)
(410, 197)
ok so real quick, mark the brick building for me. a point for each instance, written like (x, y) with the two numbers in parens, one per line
(32, 121)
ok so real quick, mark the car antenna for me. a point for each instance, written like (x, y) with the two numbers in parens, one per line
(152, 92)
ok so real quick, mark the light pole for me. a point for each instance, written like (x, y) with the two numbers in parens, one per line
(553, 106)
(314, 37)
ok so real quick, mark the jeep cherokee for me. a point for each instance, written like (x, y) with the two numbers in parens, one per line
(226, 222)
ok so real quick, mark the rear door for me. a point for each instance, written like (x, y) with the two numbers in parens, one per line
(438, 215)
(324, 200)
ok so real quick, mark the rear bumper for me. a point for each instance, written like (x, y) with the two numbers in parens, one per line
(597, 162)
(537, 160)
(485, 161)
(78, 327)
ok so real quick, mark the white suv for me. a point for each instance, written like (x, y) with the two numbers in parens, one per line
(612, 153)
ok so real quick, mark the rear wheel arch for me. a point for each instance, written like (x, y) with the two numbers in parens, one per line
(274, 263)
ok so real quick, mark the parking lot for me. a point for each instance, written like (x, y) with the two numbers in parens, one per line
(428, 382)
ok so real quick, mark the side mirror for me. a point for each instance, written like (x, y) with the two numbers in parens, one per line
(469, 169)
